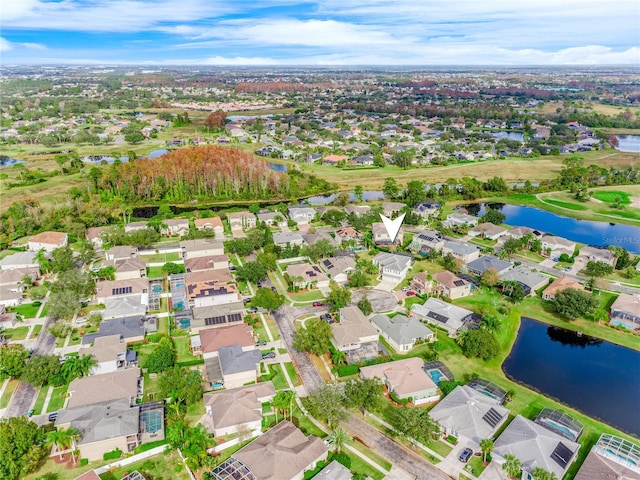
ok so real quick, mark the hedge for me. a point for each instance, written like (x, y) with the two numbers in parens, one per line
(112, 455)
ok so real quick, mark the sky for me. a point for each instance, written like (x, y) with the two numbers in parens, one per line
(322, 32)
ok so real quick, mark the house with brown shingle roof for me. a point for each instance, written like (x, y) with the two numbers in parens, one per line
(450, 285)
(559, 284)
(210, 262)
(213, 223)
(101, 388)
(128, 268)
(48, 241)
(212, 339)
(305, 275)
(488, 230)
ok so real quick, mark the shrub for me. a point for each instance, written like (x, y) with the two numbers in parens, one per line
(112, 455)
(84, 462)
(342, 458)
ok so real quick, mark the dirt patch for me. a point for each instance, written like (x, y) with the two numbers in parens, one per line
(635, 202)
(595, 200)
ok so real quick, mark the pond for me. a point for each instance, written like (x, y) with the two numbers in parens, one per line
(598, 378)
(583, 231)
(628, 143)
(156, 153)
(98, 159)
(278, 167)
(367, 195)
(8, 161)
(519, 136)
(235, 118)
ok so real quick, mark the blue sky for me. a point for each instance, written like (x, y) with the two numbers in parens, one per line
(323, 32)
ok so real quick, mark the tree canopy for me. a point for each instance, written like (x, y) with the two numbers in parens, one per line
(267, 299)
(572, 303)
(22, 448)
(314, 337)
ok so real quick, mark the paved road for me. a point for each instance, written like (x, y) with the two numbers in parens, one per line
(284, 318)
(392, 451)
(25, 393)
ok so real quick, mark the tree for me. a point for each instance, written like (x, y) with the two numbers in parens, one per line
(251, 272)
(78, 367)
(283, 401)
(512, 246)
(490, 277)
(162, 357)
(42, 370)
(181, 385)
(171, 268)
(12, 360)
(342, 199)
(358, 278)
(486, 445)
(337, 439)
(268, 299)
(479, 343)
(63, 305)
(390, 188)
(22, 449)
(106, 273)
(157, 223)
(539, 473)
(598, 269)
(62, 259)
(63, 439)
(491, 323)
(514, 290)
(415, 424)
(327, 403)
(365, 306)
(314, 337)
(623, 259)
(194, 447)
(43, 261)
(363, 393)
(268, 260)
(215, 120)
(320, 249)
(572, 303)
(512, 466)
(450, 263)
(338, 296)
(493, 216)
(86, 252)
(134, 137)
(358, 191)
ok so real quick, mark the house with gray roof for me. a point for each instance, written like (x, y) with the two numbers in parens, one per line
(611, 458)
(334, 471)
(301, 215)
(111, 386)
(19, 260)
(357, 210)
(393, 266)
(426, 242)
(625, 311)
(529, 279)
(459, 220)
(381, 236)
(488, 230)
(272, 218)
(216, 315)
(468, 413)
(402, 333)
(238, 366)
(354, 335)
(202, 247)
(241, 220)
(121, 252)
(338, 268)
(125, 306)
(463, 251)
(444, 315)
(593, 254)
(535, 446)
(484, 263)
(391, 208)
(130, 329)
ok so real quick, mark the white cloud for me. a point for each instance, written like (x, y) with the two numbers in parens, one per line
(6, 45)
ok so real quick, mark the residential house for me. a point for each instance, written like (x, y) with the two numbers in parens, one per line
(484, 263)
(468, 413)
(121, 384)
(125, 306)
(559, 284)
(349, 234)
(449, 285)
(535, 446)
(94, 235)
(213, 339)
(11, 295)
(625, 311)
(305, 275)
(393, 266)
(131, 329)
(17, 275)
(201, 248)
(593, 254)
(282, 453)
(135, 226)
(211, 262)
(301, 215)
(463, 251)
(110, 353)
(211, 223)
(357, 210)
(557, 245)
(426, 242)
(521, 232)
(117, 254)
(391, 209)
(239, 409)
(175, 227)
(362, 160)
(529, 279)
(334, 471)
(488, 230)
(282, 239)
(454, 220)
(406, 379)
(354, 335)
(313, 238)
(444, 315)
(47, 241)
(116, 288)
(421, 283)
(20, 260)
(128, 268)
(238, 367)
(334, 159)
(272, 219)
(216, 316)
(241, 220)
(611, 458)
(210, 292)
(7, 320)
(381, 235)
(338, 268)
(403, 333)
(426, 209)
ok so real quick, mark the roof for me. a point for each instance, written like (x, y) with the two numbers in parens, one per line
(90, 475)
(201, 244)
(449, 279)
(604, 254)
(53, 238)
(210, 288)
(485, 262)
(393, 261)
(334, 471)
(611, 458)
(177, 222)
(212, 339)
(561, 283)
(122, 251)
(309, 273)
(125, 306)
(106, 348)
(470, 413)
(210, 311)
(211, 222)
(282, 453)
(536, 446)
(525, 276)
(442, 312)
(220, 275)
(18, 258)
(352, 327)
(126, 264)
(281, 238)
(337, 265)
(102, 421)
(105, 387)
(460, 248)
(404, 377)
(125, 327)
(558, 241)
(239, 405)
(130, 286)
(627, 303)
(204, 263)
(488, 229)
(401, 329)
(234, 360)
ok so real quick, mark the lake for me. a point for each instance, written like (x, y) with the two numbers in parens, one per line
(278, 167)
(583, 231)
(367, 195)
(598, 378)
(519, 136)
(628, 143)
(8, 161)
(156, 153)
(235, 118)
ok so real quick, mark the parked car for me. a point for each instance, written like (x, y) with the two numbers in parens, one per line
(53, 416)
(465, 455)
(267, 355)
(318, 304)
(410, 293)
(252, 309)
(260, 343)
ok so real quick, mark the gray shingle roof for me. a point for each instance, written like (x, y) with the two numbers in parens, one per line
(401, 329)
(234, 360)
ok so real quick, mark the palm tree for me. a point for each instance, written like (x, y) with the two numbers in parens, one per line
(195, 446)
(43, 262)
(486, 445)
(338, 438)
(157, 223)
(76, 367)
(283, 402)
(86, 363)
(541, 474)
(63, 439)
(512, 466)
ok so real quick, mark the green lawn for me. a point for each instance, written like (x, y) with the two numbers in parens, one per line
(278, 378)
(440, 448)
(293, 374)
(154, 272)
(370, 454)
(17, 333)
(358, 465)
(57, 399)
(273, 328)
(36, 331)
(27, 310)
(182, 349)
(409, 301)
(260, 331)
(6, 395)
(159, 467)
(161, 257)
(307, 296)
(570, 206)
(475, 467)
(610, 196)
(42, 395)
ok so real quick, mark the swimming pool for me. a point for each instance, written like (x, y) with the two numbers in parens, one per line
(436, 376)
(152, 420)
(560, 428)
(184, 323)
(157, 288)
(179, 305)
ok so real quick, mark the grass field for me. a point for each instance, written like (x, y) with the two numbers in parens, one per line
(611, 196)
(160, 467)
(6, 395)
(57, 399)
(570, 206)
(293, 374)
(36, 331)
(182, 349)
(17, 333)
(27, 310)
(42, 395)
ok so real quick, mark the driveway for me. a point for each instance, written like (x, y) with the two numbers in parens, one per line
(451, 464)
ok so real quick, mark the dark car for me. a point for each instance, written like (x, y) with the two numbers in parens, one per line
(252, 309)
(465, 455)
(53, 416)
(260, 343)
(268, 355)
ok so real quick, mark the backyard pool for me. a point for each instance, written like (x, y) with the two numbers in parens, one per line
(436, 376)
(157, 288)
(152, 420)
(184, 323)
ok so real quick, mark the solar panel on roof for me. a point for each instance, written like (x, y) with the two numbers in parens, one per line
(492, 417)
(458, 283)
(121, 290)
(437, 317)
(561, 455)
